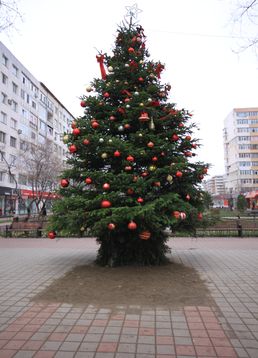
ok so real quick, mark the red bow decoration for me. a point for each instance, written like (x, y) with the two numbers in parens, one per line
(100, 59)
(159, 69)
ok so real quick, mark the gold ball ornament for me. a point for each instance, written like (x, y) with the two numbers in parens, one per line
(152, 168)
(170, 178)
(82, 228)
(89, 88)
(110, 141)
(104, 155)
(65, 138)
(141, 104)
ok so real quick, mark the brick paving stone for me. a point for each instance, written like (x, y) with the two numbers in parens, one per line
(69, 346)
(8, 353)
(44, 354)
(184, 350)
(88, 347)
(145, 348)
(165, 349)
(84, 355)
(24, 354)
(107, 347)
(146, 339)
(32, 345)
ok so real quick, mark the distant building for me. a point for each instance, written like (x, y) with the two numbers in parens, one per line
(241, 151)
(29, 113)
(215, 186)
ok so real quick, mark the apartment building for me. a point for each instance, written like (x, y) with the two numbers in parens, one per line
(29, 113)
(215, 186)
(241, 151)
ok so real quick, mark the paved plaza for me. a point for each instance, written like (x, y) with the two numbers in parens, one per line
(28, 329)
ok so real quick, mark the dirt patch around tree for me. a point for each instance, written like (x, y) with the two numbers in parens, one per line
(173, 285)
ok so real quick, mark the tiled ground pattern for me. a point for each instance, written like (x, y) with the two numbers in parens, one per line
(29, 329)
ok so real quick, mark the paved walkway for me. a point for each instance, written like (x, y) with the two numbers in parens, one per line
(29, 329)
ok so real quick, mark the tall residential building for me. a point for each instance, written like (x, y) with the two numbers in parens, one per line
(29, 113)
(215, 185)
(241, 150)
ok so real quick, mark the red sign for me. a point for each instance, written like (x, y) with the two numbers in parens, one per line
(38, 194)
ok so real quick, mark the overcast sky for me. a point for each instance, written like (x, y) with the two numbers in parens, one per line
(57, 42)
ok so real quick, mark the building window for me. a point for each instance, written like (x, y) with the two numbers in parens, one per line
(15, 88)
(2, 176)
(15, 70)
(3, 118)
(4, 79)
(22, 179)
(28, 98)
(12, 179)
(4, 98)
(22, 94)
(33, 104)
(2, 137)
(5, 60)
(14, 106)
(13, 123)
(2, 156)
(33, 135)
(13, 142)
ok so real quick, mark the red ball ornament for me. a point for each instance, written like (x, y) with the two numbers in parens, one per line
(131, 50)
(181, 125)
(128, 168)
(111, 226)
(188, 137)
(83, 103)
(64, 183)
(130, 191)
(105, 204)
(127, 100)
(205, 170)
(73, 125)
(154, 159)
(176, 214)
(135, 178)
(188, 153)
(112, 118)
(130, 158)
(175, 137)
(140, 79)
(182, 216)
(157, 183)
(179, 174)
(76, 131)
(127, 126)
(199, 216)
(106, 186)
(150, 144)
(72, 148)
(106, 95)
(132, 225)
(88, 180)
(117, 154)
(95, 124)
(188, 197)
(140, 200)
(86, 142)
(145, 235)
(51, 235)
(144, 174)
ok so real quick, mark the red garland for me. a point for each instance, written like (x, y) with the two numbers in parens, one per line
(100, 59)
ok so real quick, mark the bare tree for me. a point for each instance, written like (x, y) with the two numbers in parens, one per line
(42, 168)
(9, 14)
(245, 20)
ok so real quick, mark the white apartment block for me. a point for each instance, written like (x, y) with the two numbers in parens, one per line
(241, 150)
(215, 185)
(29, 112)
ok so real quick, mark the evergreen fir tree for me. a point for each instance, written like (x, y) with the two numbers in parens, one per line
(130, 174)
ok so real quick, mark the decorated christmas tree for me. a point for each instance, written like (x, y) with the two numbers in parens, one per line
(131, 176)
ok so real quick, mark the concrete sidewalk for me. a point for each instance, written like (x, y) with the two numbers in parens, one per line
(28, 329)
